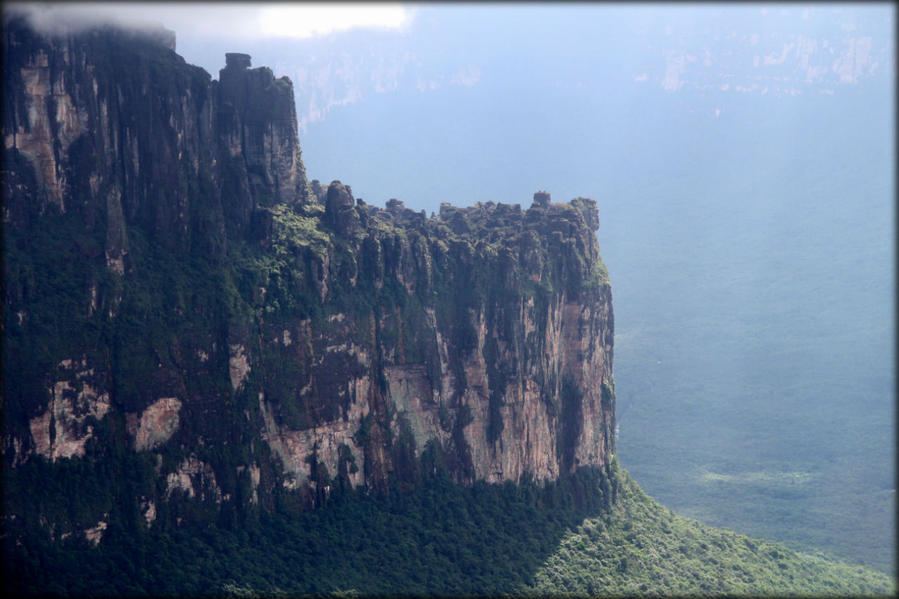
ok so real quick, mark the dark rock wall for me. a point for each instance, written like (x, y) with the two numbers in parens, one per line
(180, 305)
(119, 116)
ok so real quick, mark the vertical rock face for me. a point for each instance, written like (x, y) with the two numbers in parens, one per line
(484, 334)
(177, 303)
(257, 122)
(116, 126)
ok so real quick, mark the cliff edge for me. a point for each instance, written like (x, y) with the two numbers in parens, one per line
(182, 305)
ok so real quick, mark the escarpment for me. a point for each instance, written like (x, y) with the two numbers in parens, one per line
(114, 126)
(181, 306)
(483, 333)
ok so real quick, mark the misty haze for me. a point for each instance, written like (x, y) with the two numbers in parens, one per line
(344, 323)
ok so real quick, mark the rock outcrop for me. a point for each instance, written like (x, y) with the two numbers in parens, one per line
(181, 305)
(492, 344)
(115, 126)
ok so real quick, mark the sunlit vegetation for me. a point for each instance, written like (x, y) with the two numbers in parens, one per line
(643, 548)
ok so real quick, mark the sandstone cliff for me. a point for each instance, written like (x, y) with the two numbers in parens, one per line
(115, 126)
(186, 319)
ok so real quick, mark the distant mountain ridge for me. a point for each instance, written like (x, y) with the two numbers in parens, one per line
(774, 51)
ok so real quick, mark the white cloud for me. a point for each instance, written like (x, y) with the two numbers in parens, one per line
(306, 20)
(240, 21)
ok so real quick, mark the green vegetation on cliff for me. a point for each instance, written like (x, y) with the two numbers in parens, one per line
(195, 357)
(184, 300)
(441, 538)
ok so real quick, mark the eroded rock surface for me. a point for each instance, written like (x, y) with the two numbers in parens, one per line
(156, 424)
(76, 405)
(243, 337)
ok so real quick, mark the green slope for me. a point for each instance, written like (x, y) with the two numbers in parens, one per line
(641, 547)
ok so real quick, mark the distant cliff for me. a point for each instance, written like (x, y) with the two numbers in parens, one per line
(186, 318)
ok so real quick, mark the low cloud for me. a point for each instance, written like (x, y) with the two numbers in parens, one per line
(236, 21)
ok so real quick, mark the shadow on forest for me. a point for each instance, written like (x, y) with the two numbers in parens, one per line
(435, 538)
